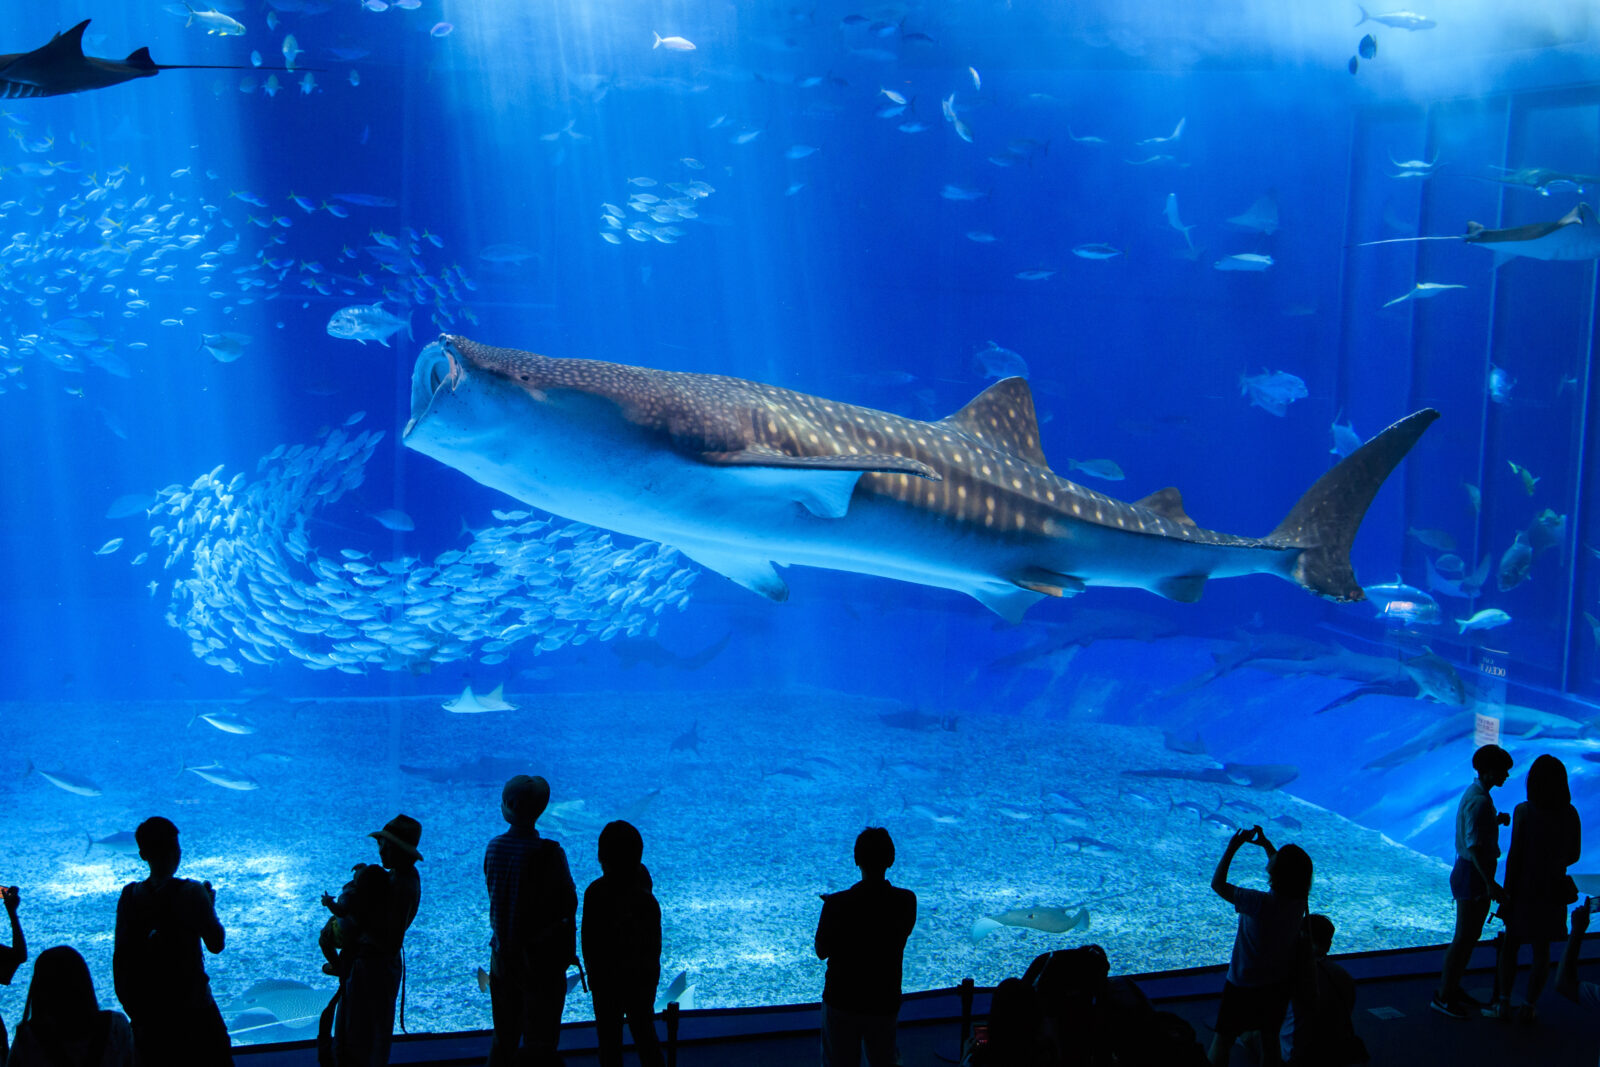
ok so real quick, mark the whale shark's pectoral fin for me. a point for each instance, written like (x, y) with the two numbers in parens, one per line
(1012, 601)
(766, 456)
(1184, 588)
(753, 572)
(823, 484)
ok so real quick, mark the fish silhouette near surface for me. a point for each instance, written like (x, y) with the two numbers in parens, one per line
(739, 475)
(59, 67)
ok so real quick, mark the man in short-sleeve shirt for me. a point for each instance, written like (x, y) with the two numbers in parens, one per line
(1472, 881)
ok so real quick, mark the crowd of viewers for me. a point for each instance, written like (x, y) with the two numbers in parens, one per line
(1282, 996)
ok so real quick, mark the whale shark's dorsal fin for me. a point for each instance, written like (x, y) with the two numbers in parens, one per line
(1002, 417)
(1168, 503)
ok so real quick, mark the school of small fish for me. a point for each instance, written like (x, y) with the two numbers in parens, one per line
(255, 590)
(101, 263)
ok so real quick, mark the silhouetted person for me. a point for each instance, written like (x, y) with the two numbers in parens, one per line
(361, 907)
(1546, 838)
(13, 955)
(62, 1024)
(1255, 995)
(1583, 994)
(363, 1021)
(533, 908)
(862, 934)
(1472, 881)
(1319, 1029)
(159, 973)
(622, 947)
(1013, 1035)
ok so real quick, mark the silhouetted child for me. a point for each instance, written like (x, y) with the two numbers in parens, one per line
(362, 907)
(62, 1023)
(1319, 1029)
(1013, 1035)
(11, 956)
(1255, 995)
(533, 909)
(622, 947)
(160, 975)
(1583, 994)
(862, 934)
(1472, 883)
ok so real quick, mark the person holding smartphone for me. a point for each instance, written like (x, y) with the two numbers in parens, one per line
(11, 956)
(1256, 994)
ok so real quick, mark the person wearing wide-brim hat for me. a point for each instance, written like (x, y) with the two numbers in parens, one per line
(403, 832)
(363, 1022)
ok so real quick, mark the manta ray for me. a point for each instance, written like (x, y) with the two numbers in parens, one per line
(1574, 236)
(740, 475)
(59, 67)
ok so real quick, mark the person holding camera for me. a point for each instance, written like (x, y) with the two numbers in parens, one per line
(11, 956)
(1260, 979)
(1472, 881)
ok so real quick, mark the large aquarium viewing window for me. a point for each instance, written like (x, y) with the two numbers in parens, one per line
(1060, 434)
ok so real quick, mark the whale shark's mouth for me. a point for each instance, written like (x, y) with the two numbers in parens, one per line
(438, 366)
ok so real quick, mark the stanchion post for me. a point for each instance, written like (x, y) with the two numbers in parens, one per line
(672, 1034)
(967, 989)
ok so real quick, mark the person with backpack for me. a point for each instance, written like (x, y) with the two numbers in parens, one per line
(622, 947)
(159, 974)
(862, 933)
(533, 910)
(11, 956)
(62, 1024)
(364, 1008)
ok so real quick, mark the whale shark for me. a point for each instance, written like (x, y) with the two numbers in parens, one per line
(740, 475)
(59, 66)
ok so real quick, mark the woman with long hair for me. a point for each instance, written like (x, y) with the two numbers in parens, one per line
(1546, 838)
(62, 1024)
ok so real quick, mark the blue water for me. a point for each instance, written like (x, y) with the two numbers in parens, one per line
(818, 253)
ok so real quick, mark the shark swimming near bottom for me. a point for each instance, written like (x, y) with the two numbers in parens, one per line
(59, 66)
(740, 475)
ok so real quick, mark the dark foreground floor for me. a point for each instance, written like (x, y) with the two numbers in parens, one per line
(1392, 1017)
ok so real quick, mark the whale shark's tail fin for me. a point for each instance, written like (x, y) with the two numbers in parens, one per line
(1324, 522)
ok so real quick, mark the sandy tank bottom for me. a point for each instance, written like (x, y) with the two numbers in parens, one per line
(742, 833)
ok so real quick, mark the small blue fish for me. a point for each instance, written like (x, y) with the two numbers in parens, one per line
(1368, 48)
(1345, 438)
